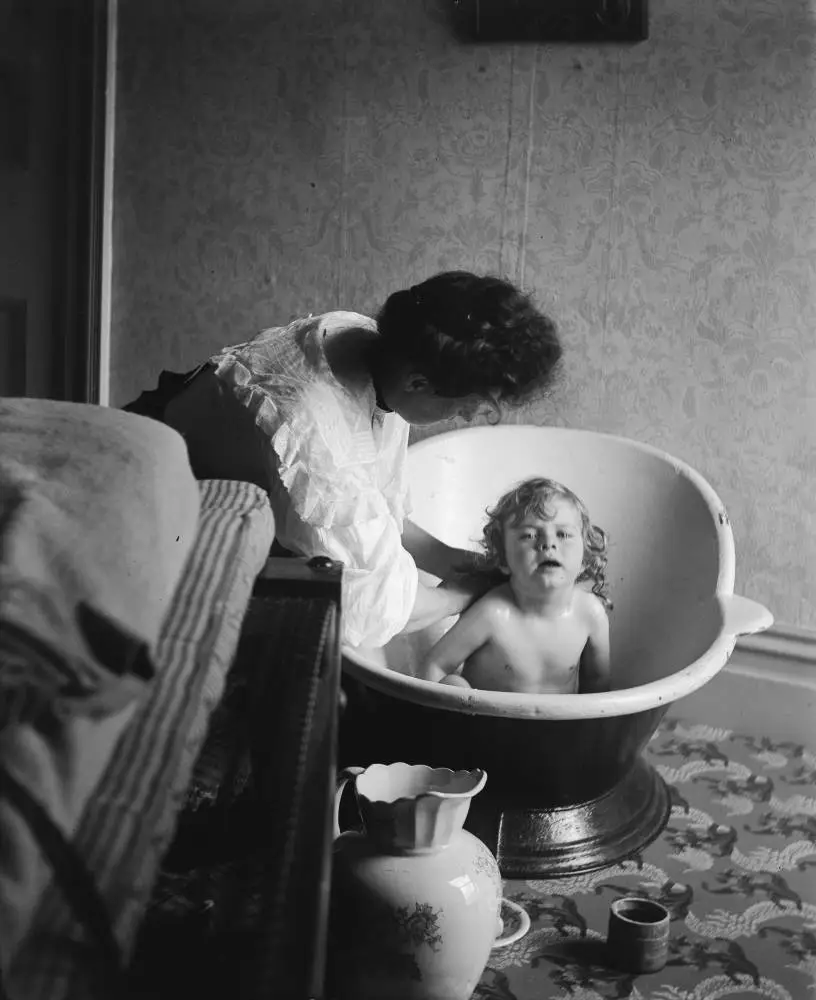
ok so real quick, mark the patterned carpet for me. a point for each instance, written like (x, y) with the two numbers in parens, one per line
(736, 867)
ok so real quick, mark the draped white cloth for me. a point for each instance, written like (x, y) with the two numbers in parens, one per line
(334, 464)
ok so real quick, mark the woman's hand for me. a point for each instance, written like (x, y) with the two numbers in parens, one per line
(465, 588)
(434, 556)
(451, 597)
(465, 562)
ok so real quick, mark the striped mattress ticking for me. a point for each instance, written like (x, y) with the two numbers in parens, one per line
(130, 820)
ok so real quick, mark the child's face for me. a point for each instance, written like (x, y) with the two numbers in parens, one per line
(545, 552)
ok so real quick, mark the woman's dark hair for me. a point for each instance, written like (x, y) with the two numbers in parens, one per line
(471, 335)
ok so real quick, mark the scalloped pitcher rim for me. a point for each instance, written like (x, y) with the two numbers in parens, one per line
(375, 795)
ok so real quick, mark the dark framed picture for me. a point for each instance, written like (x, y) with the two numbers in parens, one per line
(576, 21)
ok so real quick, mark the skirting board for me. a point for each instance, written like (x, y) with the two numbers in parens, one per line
(767, 688)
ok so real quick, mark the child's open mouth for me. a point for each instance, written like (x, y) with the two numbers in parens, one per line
(549, 564)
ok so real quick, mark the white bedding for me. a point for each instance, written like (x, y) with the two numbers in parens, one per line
(130, 819)
(98, 512)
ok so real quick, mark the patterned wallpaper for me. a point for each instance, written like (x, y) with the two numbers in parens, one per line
(277, 158)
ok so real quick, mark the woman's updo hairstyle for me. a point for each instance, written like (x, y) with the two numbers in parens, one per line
(471, 335)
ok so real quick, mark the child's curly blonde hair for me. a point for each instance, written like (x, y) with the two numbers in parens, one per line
(533, 497)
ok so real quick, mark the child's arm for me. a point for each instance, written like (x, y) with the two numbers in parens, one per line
(470, 633)
(594, 669)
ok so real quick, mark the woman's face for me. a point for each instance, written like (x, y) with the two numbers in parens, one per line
(419, 403)
(434, 409)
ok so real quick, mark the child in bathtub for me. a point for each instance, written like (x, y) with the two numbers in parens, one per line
(539, 631)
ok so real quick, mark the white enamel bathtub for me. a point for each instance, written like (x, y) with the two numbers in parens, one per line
(566, 773)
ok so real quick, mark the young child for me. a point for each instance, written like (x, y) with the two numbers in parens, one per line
(537, 632)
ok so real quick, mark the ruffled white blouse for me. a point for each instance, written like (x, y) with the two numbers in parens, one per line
(335, 465)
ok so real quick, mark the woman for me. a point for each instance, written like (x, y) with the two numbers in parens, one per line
(318, 413)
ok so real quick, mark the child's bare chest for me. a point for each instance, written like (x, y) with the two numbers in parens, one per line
(530, 656)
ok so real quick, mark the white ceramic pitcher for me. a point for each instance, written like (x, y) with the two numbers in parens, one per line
(416, 900)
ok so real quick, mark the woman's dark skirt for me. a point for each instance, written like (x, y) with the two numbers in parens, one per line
(153, 402)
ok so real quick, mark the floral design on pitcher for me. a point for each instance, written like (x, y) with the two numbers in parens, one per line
(389, 943)
(409, 931)
(419, 927)
(485, 864)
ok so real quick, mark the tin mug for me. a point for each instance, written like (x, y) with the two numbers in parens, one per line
(638, 936)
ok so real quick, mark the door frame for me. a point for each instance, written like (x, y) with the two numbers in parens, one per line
(82, 259)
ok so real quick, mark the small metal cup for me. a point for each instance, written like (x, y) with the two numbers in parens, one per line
(638, 936)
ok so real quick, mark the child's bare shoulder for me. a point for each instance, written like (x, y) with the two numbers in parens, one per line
(497, 602)
(590, 606)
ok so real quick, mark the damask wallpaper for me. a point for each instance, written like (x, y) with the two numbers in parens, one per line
(659, 199)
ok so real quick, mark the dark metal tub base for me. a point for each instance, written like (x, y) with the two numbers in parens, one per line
(550, 843)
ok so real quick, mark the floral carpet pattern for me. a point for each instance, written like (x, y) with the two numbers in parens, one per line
(736, 868)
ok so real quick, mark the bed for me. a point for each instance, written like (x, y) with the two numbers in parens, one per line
(133, 790)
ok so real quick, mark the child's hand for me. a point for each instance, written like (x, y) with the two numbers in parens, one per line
(455, 680)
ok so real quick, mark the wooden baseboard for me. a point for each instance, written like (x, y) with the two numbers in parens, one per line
(768, 688)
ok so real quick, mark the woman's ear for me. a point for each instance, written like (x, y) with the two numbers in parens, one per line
(414, 382)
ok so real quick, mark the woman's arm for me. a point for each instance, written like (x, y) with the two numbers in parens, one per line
(457, 591)
(383, 594)
(434, 603)
(434, 556)
(470, 633)
(594, 670)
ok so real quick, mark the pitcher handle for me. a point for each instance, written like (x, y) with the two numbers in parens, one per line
(524, 925)
(343, 779)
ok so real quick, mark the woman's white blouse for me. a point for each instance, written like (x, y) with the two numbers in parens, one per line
(335, 464)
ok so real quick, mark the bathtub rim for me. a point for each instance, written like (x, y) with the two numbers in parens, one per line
(719, 516)
(506, 704)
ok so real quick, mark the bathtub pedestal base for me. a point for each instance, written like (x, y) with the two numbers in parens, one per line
(548, 843)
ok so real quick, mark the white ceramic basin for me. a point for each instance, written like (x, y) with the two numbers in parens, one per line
(568, 788)
(670, 572)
